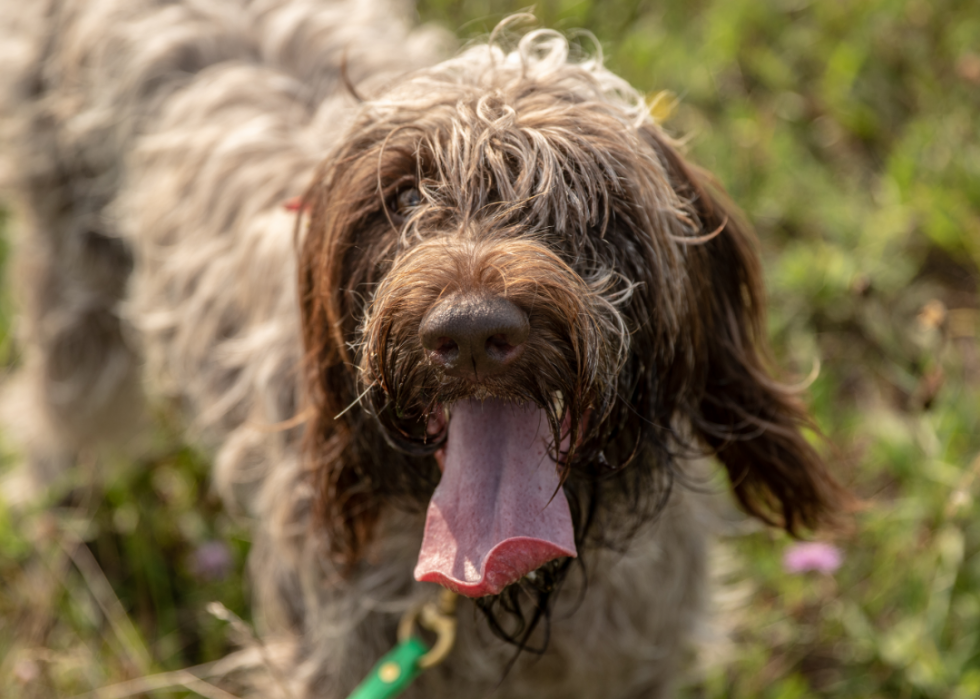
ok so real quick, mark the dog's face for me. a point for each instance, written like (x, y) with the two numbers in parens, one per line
(511, 274)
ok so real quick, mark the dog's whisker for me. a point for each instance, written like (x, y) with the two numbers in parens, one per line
(355, 402)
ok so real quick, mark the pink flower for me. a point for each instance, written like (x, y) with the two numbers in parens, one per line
(812, 555)
(26, 671)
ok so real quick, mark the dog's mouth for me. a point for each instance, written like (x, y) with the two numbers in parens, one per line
(499, 512)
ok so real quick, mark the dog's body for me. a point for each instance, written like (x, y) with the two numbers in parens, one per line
(153, 146)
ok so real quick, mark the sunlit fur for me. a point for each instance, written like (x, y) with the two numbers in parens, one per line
(149, 149)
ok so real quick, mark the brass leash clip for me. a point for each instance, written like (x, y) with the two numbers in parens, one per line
(438, 617)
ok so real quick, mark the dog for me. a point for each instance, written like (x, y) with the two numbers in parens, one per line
(471, 322)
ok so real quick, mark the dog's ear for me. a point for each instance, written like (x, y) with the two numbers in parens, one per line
(331, 271)
(755, 425)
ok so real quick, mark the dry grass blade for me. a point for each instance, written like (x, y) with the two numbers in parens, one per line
(252, 641)
(127, 634)
(178, 678)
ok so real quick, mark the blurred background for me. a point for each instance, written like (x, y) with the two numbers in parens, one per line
(849, 132)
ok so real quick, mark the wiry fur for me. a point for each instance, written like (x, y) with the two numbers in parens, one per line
(151, 148)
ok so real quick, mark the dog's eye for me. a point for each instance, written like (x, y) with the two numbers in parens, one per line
(406, 200)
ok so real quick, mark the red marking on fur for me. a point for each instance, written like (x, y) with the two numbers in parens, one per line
(295, 204)
(499, 511)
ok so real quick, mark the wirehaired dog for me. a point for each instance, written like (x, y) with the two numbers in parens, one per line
(509, 327)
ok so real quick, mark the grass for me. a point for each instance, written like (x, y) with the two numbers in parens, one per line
(848, 132)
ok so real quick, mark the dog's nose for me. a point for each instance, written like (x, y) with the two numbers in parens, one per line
(474, 336)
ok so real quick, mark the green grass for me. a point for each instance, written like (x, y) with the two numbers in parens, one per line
(849, 133)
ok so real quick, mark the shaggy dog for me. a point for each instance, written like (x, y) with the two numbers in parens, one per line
(492, 347)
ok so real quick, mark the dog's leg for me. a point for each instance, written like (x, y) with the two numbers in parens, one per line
(76, 384)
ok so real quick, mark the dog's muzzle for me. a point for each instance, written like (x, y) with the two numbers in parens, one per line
(498, 512)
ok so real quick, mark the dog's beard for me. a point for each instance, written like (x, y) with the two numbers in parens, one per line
(512, 619)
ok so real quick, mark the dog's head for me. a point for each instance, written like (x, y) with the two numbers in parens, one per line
(515, 288)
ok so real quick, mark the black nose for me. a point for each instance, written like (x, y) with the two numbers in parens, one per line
(474, 336)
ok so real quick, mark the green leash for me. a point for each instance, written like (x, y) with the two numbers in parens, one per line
(402, 664)
(394, 672)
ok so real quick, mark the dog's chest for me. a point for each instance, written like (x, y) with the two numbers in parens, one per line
(616, 636)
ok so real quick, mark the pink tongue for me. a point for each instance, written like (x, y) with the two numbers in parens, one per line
(498, 512)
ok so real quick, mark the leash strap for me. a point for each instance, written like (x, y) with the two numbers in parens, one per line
(403, 663)
(394, 672)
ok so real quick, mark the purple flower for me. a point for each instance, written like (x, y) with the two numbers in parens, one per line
(211, 561)
(812, 555)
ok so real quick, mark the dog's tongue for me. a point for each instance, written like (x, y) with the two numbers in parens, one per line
(498, 512)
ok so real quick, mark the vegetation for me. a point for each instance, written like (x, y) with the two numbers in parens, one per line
(849, 133)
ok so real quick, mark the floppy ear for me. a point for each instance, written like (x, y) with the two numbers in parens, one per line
(754, 423)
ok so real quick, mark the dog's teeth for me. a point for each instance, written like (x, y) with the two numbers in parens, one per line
(532, 576)
(558, 400)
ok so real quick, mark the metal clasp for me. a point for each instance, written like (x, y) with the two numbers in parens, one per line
(438, 617)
